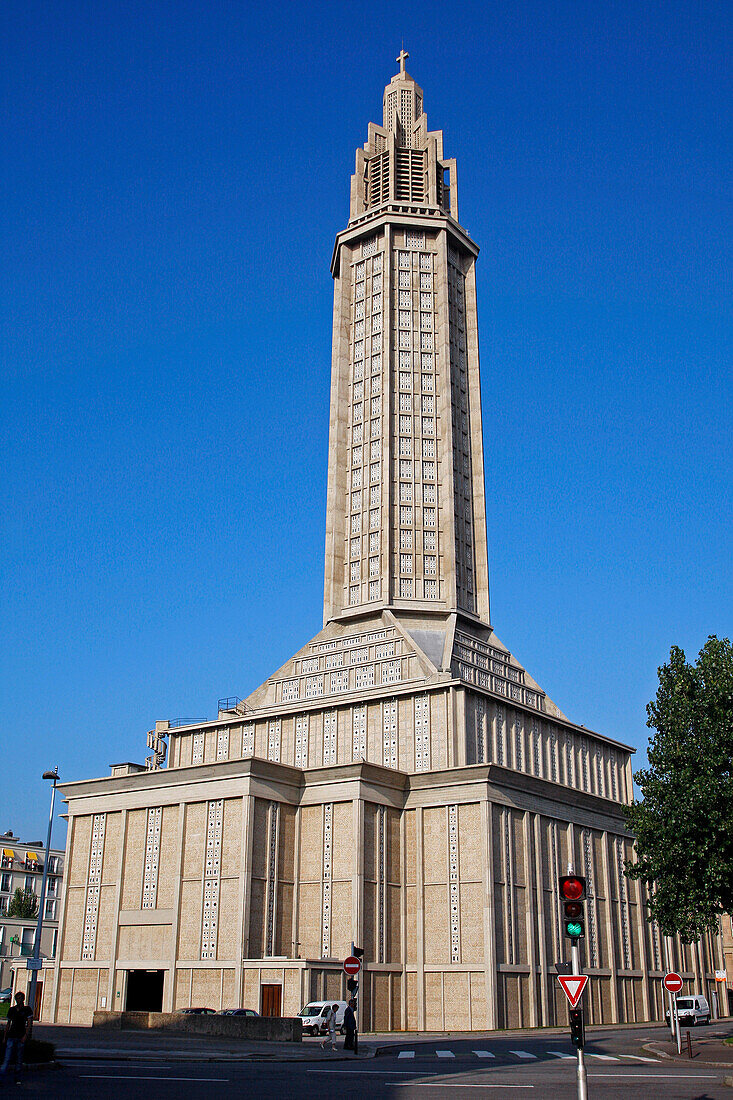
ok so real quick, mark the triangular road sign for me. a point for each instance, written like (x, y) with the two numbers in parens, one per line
(573, 984)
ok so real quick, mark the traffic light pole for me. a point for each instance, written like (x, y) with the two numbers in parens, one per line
(582, 1077)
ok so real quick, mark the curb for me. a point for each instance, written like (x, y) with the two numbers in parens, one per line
(697, 1061)
(205, 1056)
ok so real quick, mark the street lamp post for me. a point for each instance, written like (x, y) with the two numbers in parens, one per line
(31, 1002)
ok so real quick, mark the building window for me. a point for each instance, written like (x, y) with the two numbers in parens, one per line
(30, 884)
(354, 595)
(373, 590)
(406, 516)
(313, 687)
(431, 592)
(374, 518)
(403, 260)
(50, 909)
(405, 563)
(405, 540)
(290, 690)
(430, 565)
(428, 541)
(405, 589)
(5, 883)
(391, 672)
(404, 279)
(340, 680)
(414, 238)
(405, 445)
(365, 676)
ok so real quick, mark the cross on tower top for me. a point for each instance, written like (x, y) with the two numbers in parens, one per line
(402, 59)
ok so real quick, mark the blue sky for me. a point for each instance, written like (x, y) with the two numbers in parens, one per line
(174, 176)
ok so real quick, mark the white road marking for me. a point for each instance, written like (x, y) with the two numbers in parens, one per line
(560, 1054)
(484, 1054)
(604, 1057)
(638, 1058)
(523, 1054)
(134, 1077)
(451, 1085)
(406, 1054)
(445, 1053)
(658, 1076)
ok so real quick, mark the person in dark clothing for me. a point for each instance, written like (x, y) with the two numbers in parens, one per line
(17, 1030)
(350, 1025)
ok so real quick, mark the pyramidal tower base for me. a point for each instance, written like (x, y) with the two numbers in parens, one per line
(401, 783)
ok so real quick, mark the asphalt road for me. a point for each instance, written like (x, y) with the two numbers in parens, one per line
(375, 1077)
(536, 1065)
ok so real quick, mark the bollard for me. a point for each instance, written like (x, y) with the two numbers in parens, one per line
(689, 1045)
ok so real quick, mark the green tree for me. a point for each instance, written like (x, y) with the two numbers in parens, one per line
(684, 823)
(23, 903)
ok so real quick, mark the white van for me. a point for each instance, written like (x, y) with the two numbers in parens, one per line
(692, 1010)
(314, 1016)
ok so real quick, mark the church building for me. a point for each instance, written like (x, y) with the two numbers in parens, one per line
(402, 783)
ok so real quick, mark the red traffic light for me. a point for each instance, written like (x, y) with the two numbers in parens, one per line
(572, 888)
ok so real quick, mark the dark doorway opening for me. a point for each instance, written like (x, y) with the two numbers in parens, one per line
(39, 1000)
(271, 1000)
(144, 991)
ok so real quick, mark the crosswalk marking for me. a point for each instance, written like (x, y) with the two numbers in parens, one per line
(604, 1057)
(406, 1054)
(638, 1058)
(560, 1054)
(522, 1054)
(445, 1053)
(484, 1054)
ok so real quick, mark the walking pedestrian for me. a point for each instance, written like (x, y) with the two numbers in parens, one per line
(17, 1030)
(350, 1025)
(331, 1025)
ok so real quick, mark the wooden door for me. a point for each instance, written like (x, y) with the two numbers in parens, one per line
(271, 1000)
(39, 1001)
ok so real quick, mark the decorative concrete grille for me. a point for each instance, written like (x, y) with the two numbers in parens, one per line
(94, 882)
(197, 754)
(222, 745)
(480, 723)
(313, 687)
(656, 950)
(360, 656)
(340, 680)
(152, 858)
(359, 727)
(334, 660)
(389, 733)
(414, 238)
(369, 247)
(310, 664)
(248, 739)
(385, 650)
(553, 755)
(500, 735)
(569, 761)
(426, 262)
(327, 872)
(623, 897)
(455, 932)
(212, 877)
(518, 743)
(274, 732)
(431, 590)
(273, 832)
(536, 747)
(365, 676)
(301, 741)
(584, 763)
(591, 903)
(422, 733)
(374, 590)
(329, 737)
(392, 670)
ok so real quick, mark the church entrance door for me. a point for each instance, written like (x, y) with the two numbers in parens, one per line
(144, 991)
(271, 1000)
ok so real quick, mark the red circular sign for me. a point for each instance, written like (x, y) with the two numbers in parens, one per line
(672, 982)
(352, 965)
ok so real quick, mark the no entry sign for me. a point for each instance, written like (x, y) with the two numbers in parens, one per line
(573, 984)
(352, 965)
(672, 982)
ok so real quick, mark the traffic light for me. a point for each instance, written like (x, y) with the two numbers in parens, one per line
(359, 952)
(572, 895)
(352, 985)
(577, 1030)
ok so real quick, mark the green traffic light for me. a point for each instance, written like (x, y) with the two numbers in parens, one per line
(574, 930)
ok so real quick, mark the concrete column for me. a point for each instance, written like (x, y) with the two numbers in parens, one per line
(530, 911)
(544, 964)
(610, 937)
(169, 993)
(249, 815)
(487, 861)
(420, 931)
(116, 933)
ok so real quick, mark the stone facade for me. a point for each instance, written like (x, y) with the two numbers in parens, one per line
(401, 782)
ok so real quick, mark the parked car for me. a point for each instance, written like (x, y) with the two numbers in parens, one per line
(196, 1011)
(691, 1010)
(238, 1012)
(314, 1016)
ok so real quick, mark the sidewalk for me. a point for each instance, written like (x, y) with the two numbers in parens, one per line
(709, 1051)
(76, 1043)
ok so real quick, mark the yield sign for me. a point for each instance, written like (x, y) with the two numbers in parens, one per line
(573, 984)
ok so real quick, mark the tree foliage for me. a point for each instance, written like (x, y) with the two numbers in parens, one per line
(23, 903)
(684, 824)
